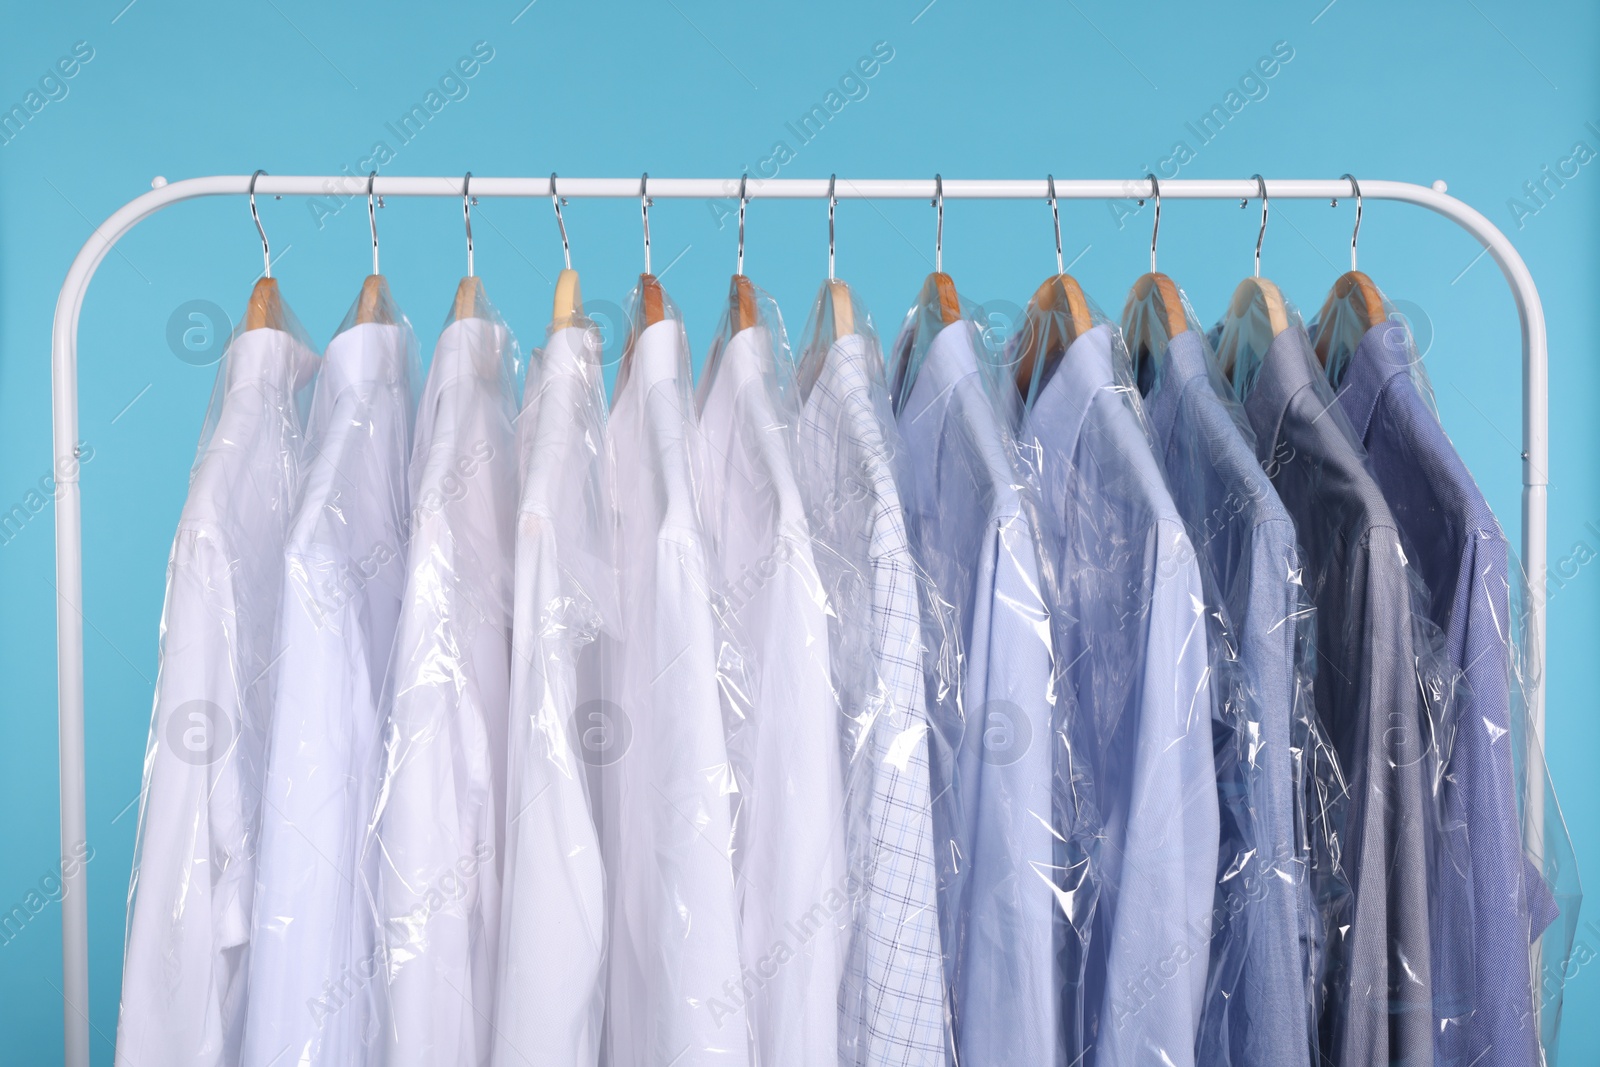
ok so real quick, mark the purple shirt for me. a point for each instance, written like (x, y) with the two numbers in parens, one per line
(1489, 901)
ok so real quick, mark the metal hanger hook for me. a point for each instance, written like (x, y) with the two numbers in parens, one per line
(1155, 231)
(833, 202)
(938, 233)
(644, 211)
(1355, 190)
(266, 249)
(566, 249)
(1055, 216)
(466, 213)
(743, 200)
(372, 221)
(1261, 185)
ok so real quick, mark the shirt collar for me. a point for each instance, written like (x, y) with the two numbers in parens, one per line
(657, 356)
(748, 357)
(270, 357)
(1382, 356)
(572, 350)
(472, 346)
(1081, 373)
(370, 353)
(1183, 364)
(1288, 368)
(949, 387)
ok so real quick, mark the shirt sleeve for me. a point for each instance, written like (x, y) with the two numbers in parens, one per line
(1165, 870)
(188, 919)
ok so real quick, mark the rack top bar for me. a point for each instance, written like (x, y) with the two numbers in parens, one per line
(348, 185)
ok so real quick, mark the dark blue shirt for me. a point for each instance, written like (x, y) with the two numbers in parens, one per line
(1370, 690)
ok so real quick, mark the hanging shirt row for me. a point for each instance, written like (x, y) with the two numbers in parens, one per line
(1132, 695)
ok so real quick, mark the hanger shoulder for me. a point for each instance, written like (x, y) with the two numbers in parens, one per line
(265, 310)
(1059, 298)
(1352, 289)
(1356, 289)
(373, 305)
(844, 316)
(742, 303)
(1166, 298)
(1271, 299)
(467, 293)
(940, 290)
(651, 301)
(1152, 317)
(568, 306)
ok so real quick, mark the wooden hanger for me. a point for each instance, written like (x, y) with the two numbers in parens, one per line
(844, 316)
(1153, 317)
(1057, 315)
(1154, 314)
(469, 295)
(652, 303)
(742, 312)
(1353, 306)
(568, 305)
(841, 310)
(375, 304)
(939, 293)
(1263, 325)
(939, 290)
(1057, 304)
(265, 310)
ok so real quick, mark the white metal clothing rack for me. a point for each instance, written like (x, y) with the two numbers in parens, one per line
(64, 379)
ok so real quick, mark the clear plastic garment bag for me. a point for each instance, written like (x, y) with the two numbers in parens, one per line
(314, 959)
(566, 725)
(1495, 887)
(437, 833)
(1136, 788)
(886, 620)
(993, 710)
(1281, 791)
(676, 978)
(1383, 690)
(779, 705)
(187, 957)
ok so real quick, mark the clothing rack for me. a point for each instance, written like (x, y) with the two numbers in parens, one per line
(64, 383)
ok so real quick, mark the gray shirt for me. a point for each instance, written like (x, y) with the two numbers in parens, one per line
(1369, 697)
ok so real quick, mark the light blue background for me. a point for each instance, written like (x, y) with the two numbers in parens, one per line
(1481, 93)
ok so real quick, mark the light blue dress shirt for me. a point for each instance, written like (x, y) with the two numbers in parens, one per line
(1130, 633)
(992, 811)
(1259, 999)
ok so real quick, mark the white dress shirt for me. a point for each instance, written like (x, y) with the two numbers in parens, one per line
(551, 997)
(441, 809)
(996, 813)
(676, 985)
(187, 953)
(892, 1004)
(1131, 635)
(312, 957)
(794, 902)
